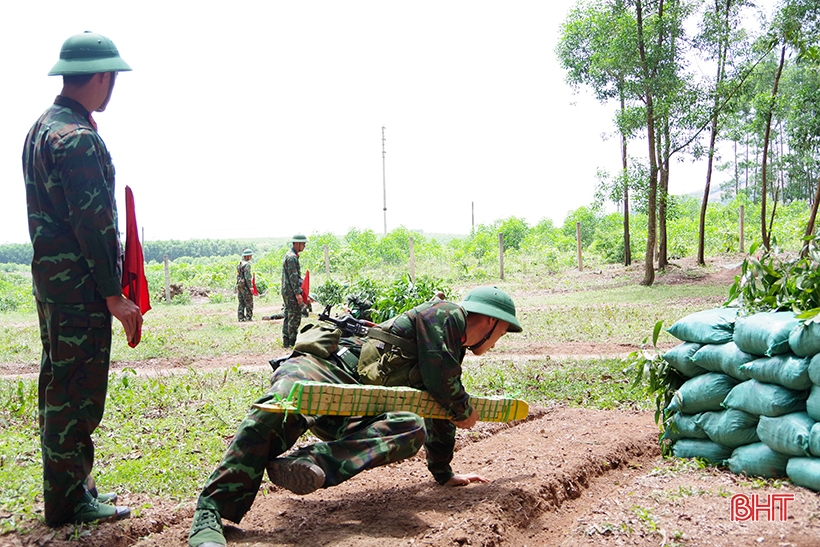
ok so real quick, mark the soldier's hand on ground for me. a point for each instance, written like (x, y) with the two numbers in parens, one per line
(127, 313)
(469, 422)
(462, 480)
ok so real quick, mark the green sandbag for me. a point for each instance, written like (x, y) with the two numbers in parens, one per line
(787, 434)
(814, 370)
(765, 333)
(705, 327)
(680, 358)
(683, 426)
(813, 403)
(804, 340)
(814, 440)
(758, 460)
(701, 448)
(730, 427)
(805, 472)
(765, 399)
(702, 393)
(785, 370)
(726, 358)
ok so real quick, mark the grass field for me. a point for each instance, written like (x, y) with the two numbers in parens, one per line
(163, 433)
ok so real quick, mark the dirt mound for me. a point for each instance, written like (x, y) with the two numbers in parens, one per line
(563, 477)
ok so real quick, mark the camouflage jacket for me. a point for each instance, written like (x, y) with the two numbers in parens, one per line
(244, 278)
(72, 213)
(439, 329)
(291, 275)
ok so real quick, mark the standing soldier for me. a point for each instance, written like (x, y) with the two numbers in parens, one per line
(244, 286)
(292, 291)
(76, 273)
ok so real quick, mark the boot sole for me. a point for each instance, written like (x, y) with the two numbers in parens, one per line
(299, 477)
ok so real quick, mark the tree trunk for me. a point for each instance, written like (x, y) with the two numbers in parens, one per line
(627, 243)
(764, 232)
(812, 217)
(663, 193)
(649, 263)
(723, 49)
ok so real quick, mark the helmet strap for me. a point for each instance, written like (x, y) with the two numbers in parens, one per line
(486, 337)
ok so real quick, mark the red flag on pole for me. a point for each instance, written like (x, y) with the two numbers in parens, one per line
(306, 287)
(253, 286)
(134, 284)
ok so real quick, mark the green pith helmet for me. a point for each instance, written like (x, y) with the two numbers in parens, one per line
(298, 238)
(247, 252)
(88, 53)
(492, 302)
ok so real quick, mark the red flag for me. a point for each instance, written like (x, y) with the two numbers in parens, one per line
(306, 287)
(134, 284)
(253, 286)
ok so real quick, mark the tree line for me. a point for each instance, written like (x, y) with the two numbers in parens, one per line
(692, 78)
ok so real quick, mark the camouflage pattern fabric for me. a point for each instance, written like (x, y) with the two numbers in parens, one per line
(349, 445)
(72, 214)
(438, 328)
(244, 293)
(72, 387)
(291, 286)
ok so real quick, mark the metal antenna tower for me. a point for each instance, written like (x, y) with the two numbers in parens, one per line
(384, 185)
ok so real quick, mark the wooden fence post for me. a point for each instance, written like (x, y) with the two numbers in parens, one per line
(501, 254)
(578, 244)
(327, 260)
(412, 261)
(167, 282)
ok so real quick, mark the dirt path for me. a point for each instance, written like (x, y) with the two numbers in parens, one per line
(563, 477)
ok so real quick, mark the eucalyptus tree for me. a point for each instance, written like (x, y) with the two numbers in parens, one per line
(721, 35)
(597, 49)
(794, 32)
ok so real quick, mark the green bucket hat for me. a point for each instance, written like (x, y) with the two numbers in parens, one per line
(492, 302)
(88, 53)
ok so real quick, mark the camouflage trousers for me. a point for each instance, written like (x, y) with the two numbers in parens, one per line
(72, 387)
(349, 445)
(245, 310)
(292, 319)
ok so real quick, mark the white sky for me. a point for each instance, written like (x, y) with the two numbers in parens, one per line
(263, 118)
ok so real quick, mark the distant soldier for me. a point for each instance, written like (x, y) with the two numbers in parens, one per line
(244, 287)
(292, 291)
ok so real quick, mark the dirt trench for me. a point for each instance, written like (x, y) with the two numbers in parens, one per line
(563, 477)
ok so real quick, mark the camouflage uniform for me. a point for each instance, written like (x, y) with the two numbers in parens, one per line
(73, 226)
(291, 286)
(351, 444)
(244, 293)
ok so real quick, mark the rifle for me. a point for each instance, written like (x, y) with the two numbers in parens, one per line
(349, 325)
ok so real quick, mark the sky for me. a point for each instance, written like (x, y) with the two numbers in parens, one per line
(255, 119)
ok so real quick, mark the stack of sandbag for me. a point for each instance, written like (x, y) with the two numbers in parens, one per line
(752, 395)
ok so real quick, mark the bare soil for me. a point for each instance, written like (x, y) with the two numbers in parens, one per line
(562, 477)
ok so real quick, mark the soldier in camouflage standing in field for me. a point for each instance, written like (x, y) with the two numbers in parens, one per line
(292, 296)
(244, 286)
(440, 333)
(76, 273)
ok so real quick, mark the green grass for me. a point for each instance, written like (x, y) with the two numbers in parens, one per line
(160, 436)
(163, 435)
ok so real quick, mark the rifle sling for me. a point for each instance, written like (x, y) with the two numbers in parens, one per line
(403, 344)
